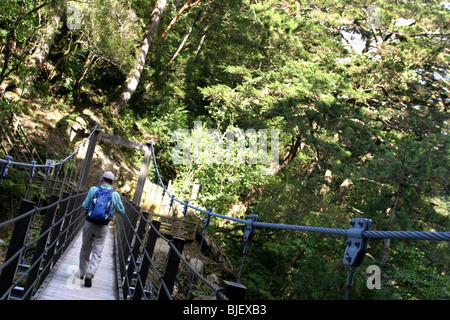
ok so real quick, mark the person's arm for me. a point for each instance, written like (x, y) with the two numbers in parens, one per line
(118, 205)
(89, 197)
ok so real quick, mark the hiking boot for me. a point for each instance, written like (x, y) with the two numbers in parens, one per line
(88, 280)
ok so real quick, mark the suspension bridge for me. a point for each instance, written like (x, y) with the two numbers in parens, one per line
(41, 257)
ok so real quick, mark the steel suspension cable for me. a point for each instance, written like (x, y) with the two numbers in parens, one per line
(411, 235)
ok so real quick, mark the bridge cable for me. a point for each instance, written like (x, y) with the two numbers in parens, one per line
(365, 234)
(206, 222)
(34, 167)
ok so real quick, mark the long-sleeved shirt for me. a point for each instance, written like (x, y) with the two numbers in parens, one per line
(116, 200)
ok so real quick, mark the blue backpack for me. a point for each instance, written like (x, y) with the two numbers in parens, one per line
(101, 209)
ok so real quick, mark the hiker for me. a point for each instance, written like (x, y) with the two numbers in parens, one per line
(100, 203)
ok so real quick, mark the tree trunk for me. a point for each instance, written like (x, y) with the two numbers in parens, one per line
(135, 74)
(387, 242)
(39, 56)
(88, 65)
(296, 146)
(186, 6)
(175, 55)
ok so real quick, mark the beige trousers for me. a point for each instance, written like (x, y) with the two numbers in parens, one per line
(93, 241)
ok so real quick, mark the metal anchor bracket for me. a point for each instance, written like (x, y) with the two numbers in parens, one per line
(207, 217)
(250, 228)
(185, 208)
(5, 168)
(356, 243)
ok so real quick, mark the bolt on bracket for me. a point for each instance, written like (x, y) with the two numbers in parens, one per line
(356, 243)
(207, 217)
(5, 168)
(250, 228)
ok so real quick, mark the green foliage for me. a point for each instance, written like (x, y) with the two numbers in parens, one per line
(111, 29)
(12, 190)
(362, 111)
(6, 108)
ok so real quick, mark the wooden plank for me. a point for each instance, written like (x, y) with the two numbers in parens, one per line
(142, 177)
(123, 142)
(88, 160)
(64, 283)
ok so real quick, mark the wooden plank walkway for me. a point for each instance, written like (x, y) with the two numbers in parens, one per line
(64, 283)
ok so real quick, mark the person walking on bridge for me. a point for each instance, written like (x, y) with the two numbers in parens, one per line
(100, 204)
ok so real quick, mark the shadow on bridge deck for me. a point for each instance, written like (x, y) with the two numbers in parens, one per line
(64, 282)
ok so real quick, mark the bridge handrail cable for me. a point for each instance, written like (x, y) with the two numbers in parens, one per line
(353, 257)
(63, 227)
(412, 235)
(54, 164)
(250, 224)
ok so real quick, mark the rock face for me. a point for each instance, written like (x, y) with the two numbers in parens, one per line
(214, 279)
(197, 265)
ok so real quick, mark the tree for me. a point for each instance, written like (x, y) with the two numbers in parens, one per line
(357, 89)
(134, 75)
(20, 23)
(366, 116)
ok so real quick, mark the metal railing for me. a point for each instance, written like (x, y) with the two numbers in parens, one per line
(42, 227)
(143, 275)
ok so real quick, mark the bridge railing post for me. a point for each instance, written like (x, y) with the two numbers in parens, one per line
(125, 226)
(120, 238)
(130, 230)
(61, 236)
(143, 174)
(133, 264)
(234, 290)
(88, 159)
(146, 260)
(76, 218)
(62, 245)
(48, 258)
(16, 243)
(80, 214)
(171, 269)
(40, 247)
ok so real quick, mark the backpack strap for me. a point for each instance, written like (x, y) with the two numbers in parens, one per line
(99, 189)
(109, 190)
(96, 194)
